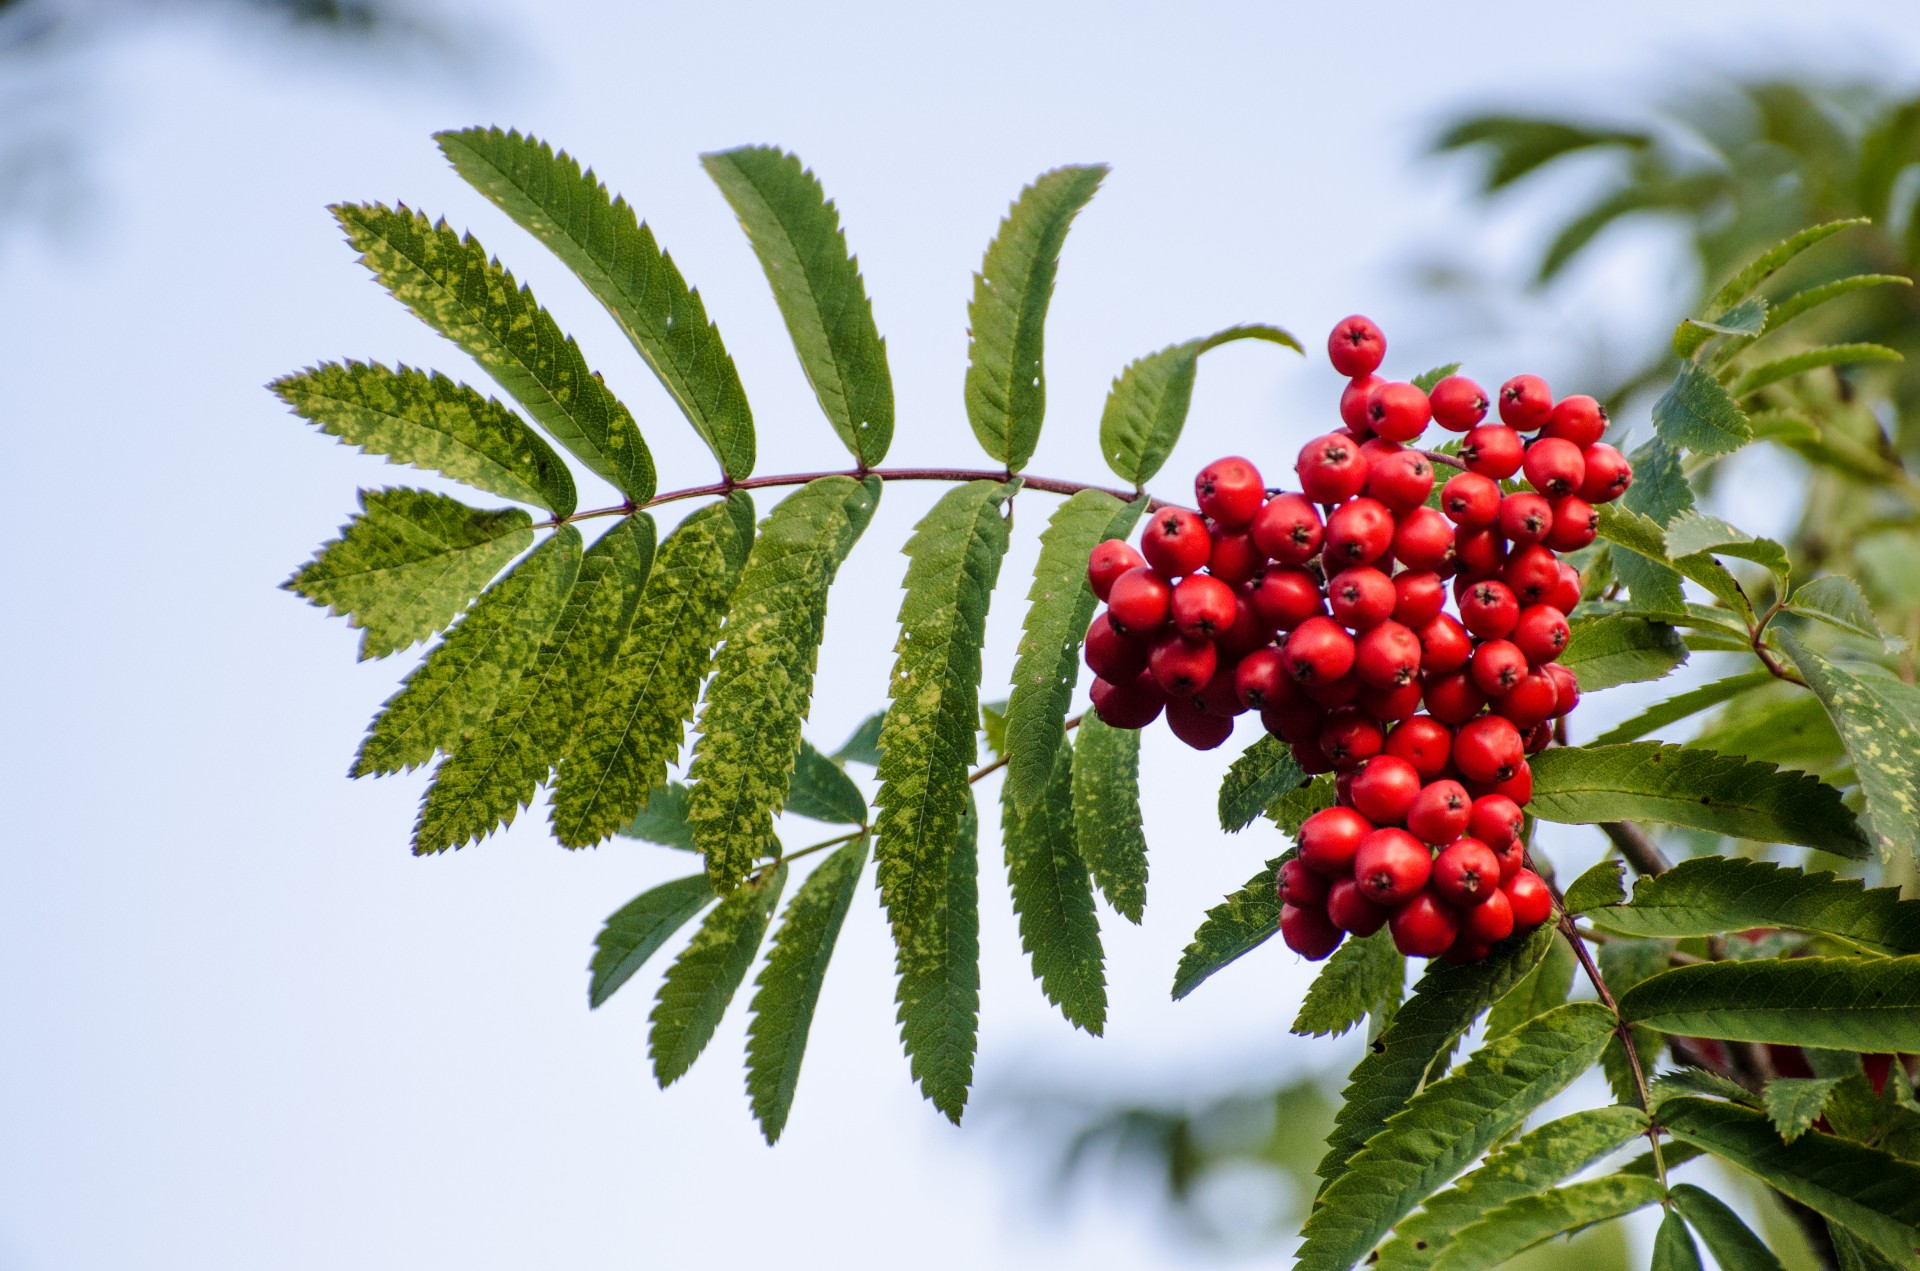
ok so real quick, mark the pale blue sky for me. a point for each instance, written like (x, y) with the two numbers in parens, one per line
(246, 1029)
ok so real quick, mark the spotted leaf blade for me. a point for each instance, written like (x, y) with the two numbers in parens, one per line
(448, 281)
(1006, 382)
(495, 770)
(1053, 897)
(703, 979)
(1861, 1004)
(613, 252)
(795, 231)
(409, 563)
(1147, 405)
(425, 420)
(937, 955)
(1060, 605)
(638, 928)
(1263, 773)
(788, 987)
(1106, 813)
(1709, 895)
(1883, 740)
(763, 675)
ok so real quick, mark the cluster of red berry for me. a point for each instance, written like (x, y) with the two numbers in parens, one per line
(1324, 611)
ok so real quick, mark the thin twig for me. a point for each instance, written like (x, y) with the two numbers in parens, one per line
(1637, 847)
(989, 769)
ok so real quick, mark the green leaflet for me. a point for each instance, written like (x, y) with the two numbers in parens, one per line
(1793, 1104)
(1660, 489)
(638, 928)
(1443, 1006)
(1445, 1126)
(1361, 976)
(1684, 1081)
(1236, 926)
(1526, 1221)
(1871, 1193)
(1616, 649)
(1782, 726)
(613, 252)
(1758, 377)
(1263, 772)
(409, 563)
(1541, 990)
(1728, 1239)
(476, 665)
(704, 978)
(1863, 1004)
(426, 420)
(1054, 900)
(1427, 379)
(1837, 601)
(633, 727)
(1692, 534)
(1698, 414)
(1006, 319)
(1883, 741)
(927, 743)
(1682, 705)
(1744, 321)
(1529, 1166)
(1060, 606)
(1147, 404)
(822, 791)
(795, 231)
(497, 767)
(1813, 297)
(1291, 810)
(1601, 885)
(448, 281)
(664, 818)
(864, 745)
(763, 675)
(1702, 789)
(993, 727)
(1764, 265)
(1106, 813)
(1708, 895)
(789, 984)
(937, 955)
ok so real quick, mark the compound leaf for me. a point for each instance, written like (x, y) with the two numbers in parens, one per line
(1708, 895)
(1054, 899)
(937, 955)
(1764, 265)
(637, 930)
(1863, 1004)
(1263, 772)
(1236, 926)
(1361, 975)
(704, 978)
(1106, 813)
(1882, 739)
(1147, 405)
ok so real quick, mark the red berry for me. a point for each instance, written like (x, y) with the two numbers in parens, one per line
(1439, 813)
(1387, 655)
(1532, 902)
(1288, 528)
(1492, 450)
(1542, 633)
(1356, 346)
(1176, 542)
(1489, 610)
(1518, 787)
(1391, 704)
(1488, 749)
(1525, 518)
(1466, 872)
(1295, 884)
(1533, 572)
(1261, 680)
(1247, 632)
(1526, 402)
(1286, 596)
(1575, 524)
(1133, 704)
(1308, 756)
(1195, 726)
(1384, 788)
(1361, 597)
(1398, 411)
(1391, 865)
(1513, 859)
(1424, 927)
(1490, 921)
(1308, 933)
(1479, 553)
(1566, 592)
(1424, 541)
(1401, 480)
(1353, 404)
(1466, 949)
(1418, 597)
(1496, 821)
(1349, 909)
(1555, 467)
(1566, 685)
(1454, 699)
(1318, 652)
(1578, 419)
(1334, 692)
(1181, 667)
(1203, 607)
(1140, 601)
(1331, 470)
(1374, 449)
(1608, 474)
(1220, 697)
(1349, 738)
(1230, 491)
(1112, 656)
(1296, 721)
(1110, 560)
(1444, 645)
(1330, 837)
(1497, 666)
(1358, 533)
(1458, 403)
(1424, 742)
(1538, 739)
(1528, 702)
(1470, 500)
(1235, 559)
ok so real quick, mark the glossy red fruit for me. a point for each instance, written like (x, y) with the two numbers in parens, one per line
(1356, 346)
(1439, 813)
(1533, 572)
(1470, 500)
(1284, 596)
(1575, 524)
(1220, 697)
(1538, 739)
(1566, 592)
(1578, 419)
(1513, 857)
(1555, 467)
(1444, 645)
(1331, 469)
(1195, 726)
(1418, 597)
(1391, 865)
(1384, 788)
(1465, 873)
(1490, 921)
(1361, 597)
(1112, 656)
(1288, 528)
(1528, 703)
(1391, 704)
(1308, 756)
(1296, 721)
(1496, 666)
(1532, 902)
(1349, 909)
(1401, 480)
(1454, 699)
(1176, 542)
(1566, 685)
(1358, 533)
(1181, 667)
(1110, 560)
(1203, 607)
(1424, 927)
(1308, 932)
(1387, 655)
(1424, 742)
(1140, 602)
(1496, 821)
(1235, 559)
(1466, 949)
(1349, 738)
(1230, 491)
(1542, 633)
(1398, 411)
(1488, 749)
(1318, 652)
(1490, 610)
(1353, 404)
(1526, 402)
(1424, 541)
(1330, 837)
(1295, 884)
(1525, 518)
(1131, 705)
(1608, 474)
(1518, 787)
(1492, 450)
(1479, 554)
(1458, 403)
(1247, 633)
(1334, 692)
(1261, 680)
